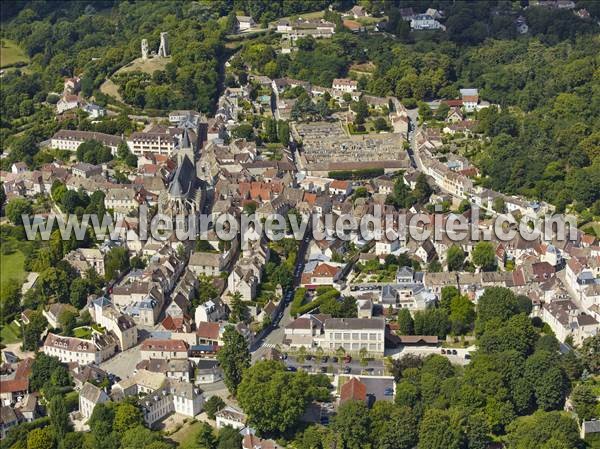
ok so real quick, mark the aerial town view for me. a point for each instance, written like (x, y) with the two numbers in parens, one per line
(303, 224)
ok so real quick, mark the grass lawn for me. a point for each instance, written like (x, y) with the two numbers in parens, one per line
(11, 267)
(83, 332)
(11, 53)
(187, 435)
(10, 333)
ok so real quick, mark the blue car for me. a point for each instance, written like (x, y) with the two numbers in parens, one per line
(388, 391)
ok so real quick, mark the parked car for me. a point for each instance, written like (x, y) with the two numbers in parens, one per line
(324, 359)
(334, 359)
(443, 351)
(323, 369)
(291, 368)
(389, 391)
(347, 359)
(454, 352)
(347, 370)
(468, 356)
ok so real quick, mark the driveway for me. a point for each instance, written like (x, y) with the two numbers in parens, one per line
(423, 351)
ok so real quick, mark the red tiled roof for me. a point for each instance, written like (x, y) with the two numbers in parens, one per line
(164, 345)
(339, 184)
(453, 103)
(325, 270)
(353, 390)
(20, 382)
(208, 330)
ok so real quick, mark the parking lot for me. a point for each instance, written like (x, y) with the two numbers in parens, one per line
(334, 365)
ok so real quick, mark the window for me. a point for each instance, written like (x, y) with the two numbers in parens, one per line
(346, 336)
(355, 336)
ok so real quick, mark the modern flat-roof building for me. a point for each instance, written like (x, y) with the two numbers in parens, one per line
(353, 334)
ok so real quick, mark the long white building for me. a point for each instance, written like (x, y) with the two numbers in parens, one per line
(84, 352)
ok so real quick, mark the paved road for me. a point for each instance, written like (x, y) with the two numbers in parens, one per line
(275, 337)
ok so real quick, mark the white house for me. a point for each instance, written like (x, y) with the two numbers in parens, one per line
(470, 99)
(230, 416)
(244, 23)
(84, 352)
(425, 22)
(120, 325)
(89, 396)
(174, 397)
(345, 85)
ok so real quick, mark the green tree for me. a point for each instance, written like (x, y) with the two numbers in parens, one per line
(585, 402)
(229, 438)
(59, 417)
(499, 205)
(431, 321)
(32, 331)
(79, 292)
(484, 256)
(462, 315)
(406, 325)
(477, 432)
(42, 438)
(127, 416)
(239, 311)
(234, 358)
(93, 152)
(438, 430)
(206, 436)
(10, 300)
(16, 208)
(590, 352)
(67, 321)
(393, 427)
(455, 258)
(267, 384)
(116, 262)
(549, 381)
(283, 132)
(47, 370)
(353, 424)
(496, 303)
(213, 405)
(540, 428)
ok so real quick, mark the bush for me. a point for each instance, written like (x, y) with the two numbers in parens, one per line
(297, 301)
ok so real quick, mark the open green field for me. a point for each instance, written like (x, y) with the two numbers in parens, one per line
(11, 54)
(10, 333)
(186, 436)
(308, 16)
(11, 267)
